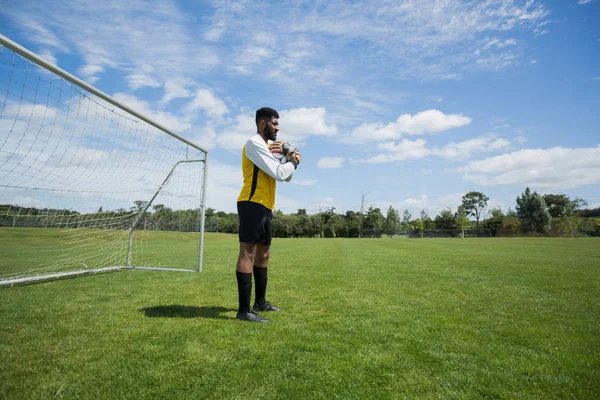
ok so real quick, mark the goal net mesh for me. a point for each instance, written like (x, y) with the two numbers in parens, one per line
(87, 185)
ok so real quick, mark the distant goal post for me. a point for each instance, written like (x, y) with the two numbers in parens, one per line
(87, 184)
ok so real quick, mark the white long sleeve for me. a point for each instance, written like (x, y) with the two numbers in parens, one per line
(258, 152)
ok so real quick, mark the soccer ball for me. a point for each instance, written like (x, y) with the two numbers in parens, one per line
(278, 155)
(286, 154)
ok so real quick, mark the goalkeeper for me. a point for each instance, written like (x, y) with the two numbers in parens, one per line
(261, 169)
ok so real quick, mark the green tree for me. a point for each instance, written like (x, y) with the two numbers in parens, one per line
(315, 225)
(303, 224)
(418, 226)
(279, 227)
(444, 220)
(329, 222)
(559, 205)
(461, 220)
(138, 206)
(406, 218)
(209, 212)
(352, 224)
(474, 203)
(373, 222)
(532, 211)
(428, 223)
(494, 222)
(392, 221)
(495, 219)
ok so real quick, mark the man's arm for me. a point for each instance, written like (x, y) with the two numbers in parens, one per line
(261, 156)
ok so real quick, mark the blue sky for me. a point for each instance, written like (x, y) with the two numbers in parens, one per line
(411, 103)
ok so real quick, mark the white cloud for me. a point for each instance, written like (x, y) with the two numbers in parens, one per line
(584, 1)
(405, 150)
(90, 72)
(35, 29)
(499, 43)
(430, 121)
(29, 112)
(557, 168)
(166, 119)
(206, 100)
(464, 150)
(150, 44)
(259, 50)
(297, 124)
(521, 138)
(144, 75)
(412, 150)
(205, 137)
(497, 62)
(175, 88)
(216, 31)
(418, 39)
(331, 162)
(236, 134)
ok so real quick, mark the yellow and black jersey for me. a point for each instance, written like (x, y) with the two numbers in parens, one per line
(261, 170)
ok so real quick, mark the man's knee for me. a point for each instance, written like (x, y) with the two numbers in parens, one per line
(246, 257)
(262, 255)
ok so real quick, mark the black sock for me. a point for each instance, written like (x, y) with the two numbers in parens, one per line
(260, 280)
(244, 281)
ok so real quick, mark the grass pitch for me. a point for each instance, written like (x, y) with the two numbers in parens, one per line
(363, 319)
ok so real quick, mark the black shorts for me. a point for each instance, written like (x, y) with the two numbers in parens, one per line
(256, 223)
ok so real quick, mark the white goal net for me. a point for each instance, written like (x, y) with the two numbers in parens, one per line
(86, 184)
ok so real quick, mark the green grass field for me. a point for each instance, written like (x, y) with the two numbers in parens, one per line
(514, 318)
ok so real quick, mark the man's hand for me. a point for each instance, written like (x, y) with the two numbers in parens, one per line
(290, 153)
(276, 147)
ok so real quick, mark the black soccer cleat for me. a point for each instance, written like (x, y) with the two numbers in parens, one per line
(250, 316)
(265, 307)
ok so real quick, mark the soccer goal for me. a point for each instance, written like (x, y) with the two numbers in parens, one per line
(88, 185)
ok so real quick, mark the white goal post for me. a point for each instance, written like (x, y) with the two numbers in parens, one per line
(87, 184)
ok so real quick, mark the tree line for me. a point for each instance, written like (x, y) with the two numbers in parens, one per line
(549, 214)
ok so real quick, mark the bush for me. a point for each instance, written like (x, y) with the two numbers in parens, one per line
(566, 226)
(511, 226)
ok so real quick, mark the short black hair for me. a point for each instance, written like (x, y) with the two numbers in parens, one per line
(267, 113)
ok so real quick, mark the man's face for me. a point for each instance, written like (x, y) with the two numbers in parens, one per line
(271, 129)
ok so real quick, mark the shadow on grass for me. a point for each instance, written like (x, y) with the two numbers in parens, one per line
(179, 311)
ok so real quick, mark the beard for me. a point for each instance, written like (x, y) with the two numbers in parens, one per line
(269, 133)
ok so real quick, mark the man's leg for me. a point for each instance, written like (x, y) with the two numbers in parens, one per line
(261, 264)
(244, 279)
